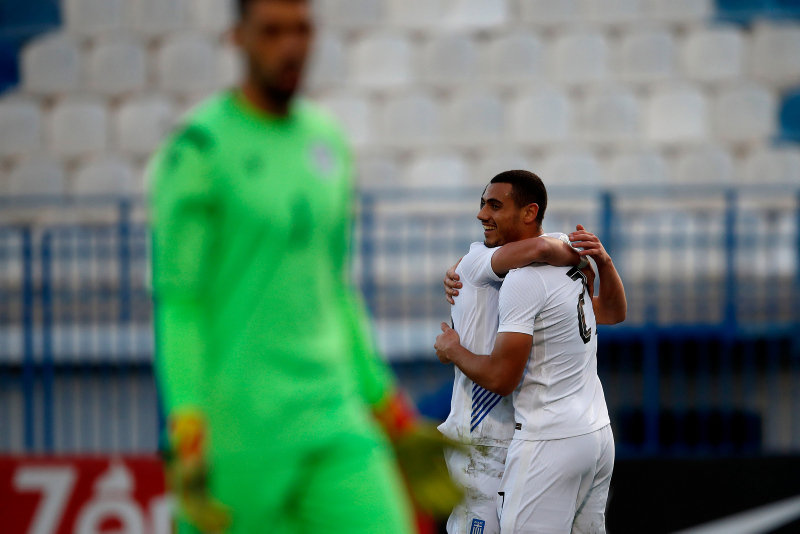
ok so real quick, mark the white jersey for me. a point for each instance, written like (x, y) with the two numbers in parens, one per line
(560, 395)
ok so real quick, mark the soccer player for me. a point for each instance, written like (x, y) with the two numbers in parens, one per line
(559, 463)
(264, 362)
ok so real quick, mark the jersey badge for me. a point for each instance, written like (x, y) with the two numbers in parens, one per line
(477, 526)
(323, 159)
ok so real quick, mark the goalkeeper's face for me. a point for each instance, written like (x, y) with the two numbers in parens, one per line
(500, 216)
(276, 36)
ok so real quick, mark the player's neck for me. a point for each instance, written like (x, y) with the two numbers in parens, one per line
(262, 101)
(533, 231)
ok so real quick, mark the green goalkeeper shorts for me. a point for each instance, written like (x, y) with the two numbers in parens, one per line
(349, 485)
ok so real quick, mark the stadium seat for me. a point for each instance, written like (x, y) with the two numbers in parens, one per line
(117, 67)
(39, 175)
(775, 53)
(790, 117)
(51, 64)
(547, 13)
(378, 171)
(230, 67)
(156, 17)
(637, 167)
(187, 64)
(410, 120)
(513, 59)
(676, 115)
(449, 59)
(714, 54)
(78, 127)
(746, 113)
(610, 12)
(477, 14)
(579, 58)
(355, 114)
(416, 14)
(543, 116)
(492, 164)
(382, 61)
(212, 16)
(678, 11)
(611, 115)
(328, 62)
(105, 176)
(777, 165)
(572, 167)
(142, 123)
(646, 56)
(93, 17)
(20, 126)
(351, 14)
(440, 170)
(475, 119)
(704, 165)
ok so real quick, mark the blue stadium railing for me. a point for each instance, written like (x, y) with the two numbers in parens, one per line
(707, 363)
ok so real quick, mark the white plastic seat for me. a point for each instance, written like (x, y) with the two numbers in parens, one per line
(40, 175)
(117, 67)
(778, 165)
(450, 59)
(410, 120)
(142, 123)
(744, 114)
(51, 64)
(475, 119)
(572, 167)
(513, 59)
(543, 116)
(611, 115)
(230, 67)
(678, 11)
(494, 163)
(187, 64)
(382, 61)
(355, 114)
(105, 176)
(328, 62)
(93, 17)
(212, 16)
(705, 165)
(646, 56)
(677, 115)
(579, 58)
(610, 12)
(714, 54)
(439, 170)
(639, 167)
(378, 170)
(547, 13)
(78, 127)
(775, 53)
(416, 14)
(477, 14)
(156, 17)
(352, 14)
(20, 126)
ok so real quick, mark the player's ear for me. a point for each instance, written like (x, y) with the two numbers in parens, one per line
(531, 211)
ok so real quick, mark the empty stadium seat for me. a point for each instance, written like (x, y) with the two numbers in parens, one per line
(579, 58)
(105, 176)
(156, 17)
(790, 117)
(572, 167)
(350, 13)
(410, 120)
(78, 127)
(475, 119)
(39, 175)
(328, 62)
(637, 167)
(450, 59)
(355, 114)
(117, 67)
(678, 11)
(779, 165)
(515, 58)
(187, 64)
(230, 67)
(477, 14)
(51, 64)
(714, 54)
(492, 164)
(611, 115)
(705, 165)
(543, 116)
(20, 126)
(610, 12)
(382, 61)
(775, 53)
(142, 123)
(646, 56)
(677, 115)
(212, 16)
(746, 113)
(415, 14)
(547, 13)
(377, 171)
(93, 17)
(438, 170)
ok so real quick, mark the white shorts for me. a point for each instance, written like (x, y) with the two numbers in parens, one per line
(557, 486)
(478, 470)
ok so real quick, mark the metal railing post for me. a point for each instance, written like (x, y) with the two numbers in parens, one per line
(48, 370)
(28, 362)
(731, 207)
(368, 250)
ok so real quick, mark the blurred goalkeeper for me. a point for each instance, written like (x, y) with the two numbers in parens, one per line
(266, 368)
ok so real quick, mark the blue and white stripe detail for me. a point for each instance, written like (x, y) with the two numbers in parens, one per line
(482, 403)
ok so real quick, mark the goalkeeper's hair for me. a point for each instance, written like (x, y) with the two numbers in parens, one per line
(526, 189)
(243, 5)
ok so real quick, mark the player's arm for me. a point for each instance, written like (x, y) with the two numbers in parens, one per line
(542, 249)
(610, 305)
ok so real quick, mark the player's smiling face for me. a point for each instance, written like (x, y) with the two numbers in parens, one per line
(499, 215)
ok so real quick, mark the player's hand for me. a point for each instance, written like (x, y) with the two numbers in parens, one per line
(445, 342)
(187, 472)
(591, 245)
(451, 283)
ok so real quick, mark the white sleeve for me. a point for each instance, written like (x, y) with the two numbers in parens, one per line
(522, 298)
(476, 267)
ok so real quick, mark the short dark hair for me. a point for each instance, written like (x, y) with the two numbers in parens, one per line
(526, 188)
(244, 4)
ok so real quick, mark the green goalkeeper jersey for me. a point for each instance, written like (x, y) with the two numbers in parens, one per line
(257, 324)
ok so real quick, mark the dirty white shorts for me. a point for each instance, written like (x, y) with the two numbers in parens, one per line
(478, 470)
